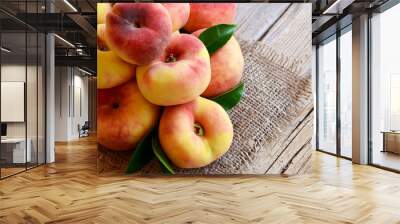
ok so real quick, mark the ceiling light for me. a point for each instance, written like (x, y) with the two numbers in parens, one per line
(84, 71)
(5, 49)
(337, 7)
(70, 5)
(65, 41)
(80, 51)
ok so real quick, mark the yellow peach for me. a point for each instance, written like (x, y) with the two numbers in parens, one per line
(180, 75)
(124, 116)
(205, 15)
(226, 68)
(138, 32)
(112, 70)
(179, 13)
(195, 134)
(102, 10)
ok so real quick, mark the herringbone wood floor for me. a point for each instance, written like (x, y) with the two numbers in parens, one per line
(69, 191)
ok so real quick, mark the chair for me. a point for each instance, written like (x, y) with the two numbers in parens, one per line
(84, 130)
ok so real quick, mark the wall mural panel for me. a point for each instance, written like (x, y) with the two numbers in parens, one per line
(204, 88)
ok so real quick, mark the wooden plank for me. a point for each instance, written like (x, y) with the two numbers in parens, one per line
(261, 19)
(293, 139)
(291, 148)
(301, 162)
(291, 34)
(245, 12)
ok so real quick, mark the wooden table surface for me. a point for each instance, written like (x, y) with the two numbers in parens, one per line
(286, 28)
(283, 26)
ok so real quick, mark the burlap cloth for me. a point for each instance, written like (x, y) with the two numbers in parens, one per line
(275, 92)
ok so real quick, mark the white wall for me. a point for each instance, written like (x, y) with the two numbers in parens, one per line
(61, 103)
(12, 73)
(13, 101)
(33, 127)
(71, 93)
(81, 89)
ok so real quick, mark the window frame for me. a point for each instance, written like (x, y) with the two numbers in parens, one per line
(381, 9)
(334, 37)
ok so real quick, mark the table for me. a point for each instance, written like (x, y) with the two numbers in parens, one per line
(391, 141)
(286, 27)
(13, 150)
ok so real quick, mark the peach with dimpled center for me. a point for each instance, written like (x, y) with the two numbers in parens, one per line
(195, 134)
(180, 75)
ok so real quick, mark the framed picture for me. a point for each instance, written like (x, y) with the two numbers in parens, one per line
(204, 88)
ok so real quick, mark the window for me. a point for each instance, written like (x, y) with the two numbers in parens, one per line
(334, 106)
(385, 89)
(22, 77)
(327, 96)
(346, 92)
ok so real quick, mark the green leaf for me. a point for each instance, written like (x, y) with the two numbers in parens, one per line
(229, 99)
(164, 170)
(142, 155)
(216, 37)
(160, 154)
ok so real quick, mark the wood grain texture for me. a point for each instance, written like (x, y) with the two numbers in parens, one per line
(70, 191)
(255, 21)
(291, 34)
(296, 138)
(286, 28)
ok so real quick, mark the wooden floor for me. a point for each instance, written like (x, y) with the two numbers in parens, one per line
(386, 159)
(11, 170)
(69, 191)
